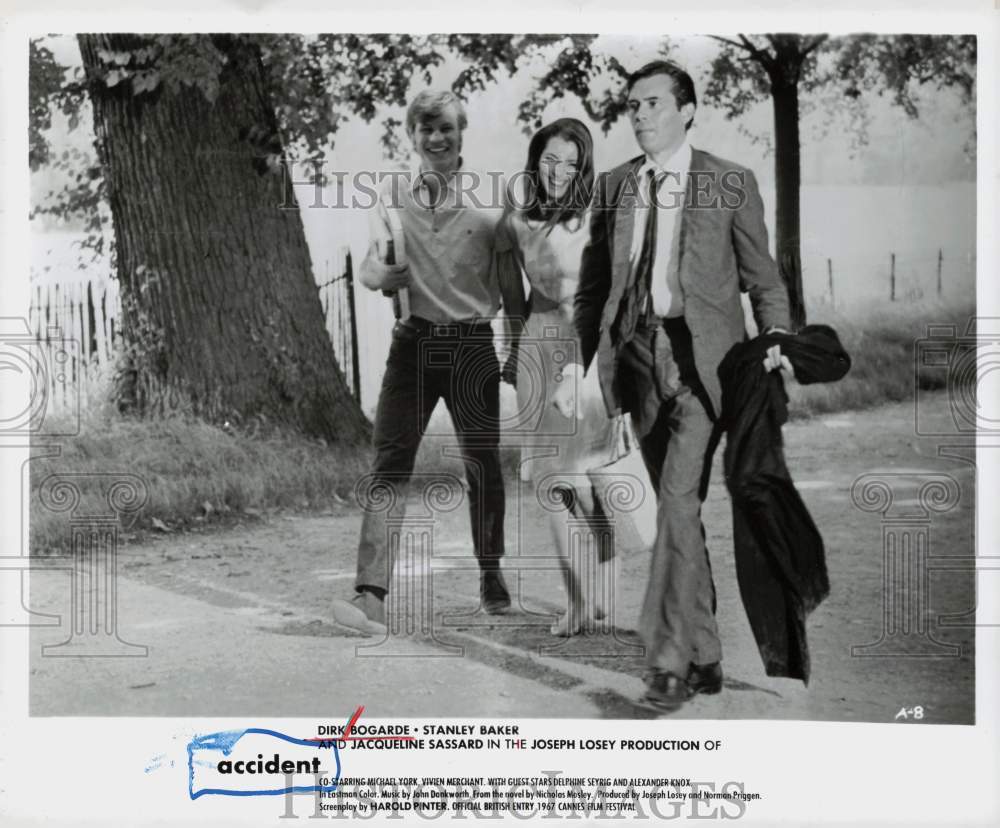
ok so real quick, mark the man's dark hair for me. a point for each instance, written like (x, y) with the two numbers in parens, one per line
(683, 85)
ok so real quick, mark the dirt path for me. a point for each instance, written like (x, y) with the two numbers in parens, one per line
(238, 622)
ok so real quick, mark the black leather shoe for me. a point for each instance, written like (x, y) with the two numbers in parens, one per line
(493, 591)
(666, 691)
(705, 678)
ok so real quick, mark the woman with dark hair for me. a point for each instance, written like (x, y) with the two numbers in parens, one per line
(540, 240)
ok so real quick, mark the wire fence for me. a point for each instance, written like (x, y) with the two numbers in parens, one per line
(77, 327)
(898, 278)
(86, 314)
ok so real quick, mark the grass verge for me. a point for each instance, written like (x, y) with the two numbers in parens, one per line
(193, 472)
(882, 347)
(197, 474)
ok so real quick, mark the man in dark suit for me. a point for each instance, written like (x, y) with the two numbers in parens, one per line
(676, 235)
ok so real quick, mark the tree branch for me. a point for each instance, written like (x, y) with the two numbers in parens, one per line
(735, 43)
(761, 56)
(744, 45)
(814, 45)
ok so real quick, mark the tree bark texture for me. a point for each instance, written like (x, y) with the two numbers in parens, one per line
(220, 309)
(784, 75)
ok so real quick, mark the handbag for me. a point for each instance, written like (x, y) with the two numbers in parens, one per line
(624, 491)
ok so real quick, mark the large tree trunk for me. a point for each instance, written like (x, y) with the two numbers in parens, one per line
(221, 313)
(784, 75)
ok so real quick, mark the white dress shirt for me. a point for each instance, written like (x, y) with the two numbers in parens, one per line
(667, 296)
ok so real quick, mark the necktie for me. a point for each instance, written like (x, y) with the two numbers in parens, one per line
(666, 373)
(644, 267)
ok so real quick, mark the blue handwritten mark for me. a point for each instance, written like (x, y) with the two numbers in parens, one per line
(155, 762)
(227, 740)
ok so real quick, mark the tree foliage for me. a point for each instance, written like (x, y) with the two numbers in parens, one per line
(597, 80)
(742, 73)
(318, 81)
(53, 88)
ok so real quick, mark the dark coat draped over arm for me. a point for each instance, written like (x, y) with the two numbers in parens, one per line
(780, 559)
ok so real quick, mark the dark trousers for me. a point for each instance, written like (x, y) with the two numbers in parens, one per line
(456, 363)
(678, 437)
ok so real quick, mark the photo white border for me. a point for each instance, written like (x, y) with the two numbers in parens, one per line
(78, 770)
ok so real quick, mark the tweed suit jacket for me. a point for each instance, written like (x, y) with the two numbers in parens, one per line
(723, 251)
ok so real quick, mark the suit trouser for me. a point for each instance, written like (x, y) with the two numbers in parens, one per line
(456, 363)
(677, 435)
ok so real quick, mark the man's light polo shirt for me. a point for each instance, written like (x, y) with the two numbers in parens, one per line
(449, 247)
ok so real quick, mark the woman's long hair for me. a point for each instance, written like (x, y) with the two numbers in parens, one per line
(537, 204)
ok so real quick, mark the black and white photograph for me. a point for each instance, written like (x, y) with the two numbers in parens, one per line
(460, 376)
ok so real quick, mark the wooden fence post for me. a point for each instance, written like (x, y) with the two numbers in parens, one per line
(940, 260)
(91, 323)
(829, 279)
(892, 278)
(351, 309)
(108, 344)
(56, 314)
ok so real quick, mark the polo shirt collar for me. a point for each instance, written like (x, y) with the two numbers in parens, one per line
(451, 181)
